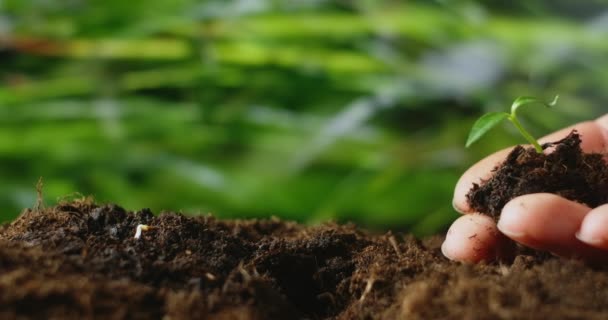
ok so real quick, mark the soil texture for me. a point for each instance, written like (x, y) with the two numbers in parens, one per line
(80, 260)
(565, 170)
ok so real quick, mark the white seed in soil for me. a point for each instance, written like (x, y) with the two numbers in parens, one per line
(140, 228)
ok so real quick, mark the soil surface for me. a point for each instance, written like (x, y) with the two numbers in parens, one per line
(79, 260)
(565, 171)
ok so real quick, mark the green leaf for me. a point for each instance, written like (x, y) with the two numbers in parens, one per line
(523, 100)
(483, 124)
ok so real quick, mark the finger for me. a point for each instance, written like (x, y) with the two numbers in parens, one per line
(594, 229)
(547, 222)
(479, 171)
(594, 135)
(474, 238)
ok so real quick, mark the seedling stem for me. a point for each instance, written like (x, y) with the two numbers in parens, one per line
(525, 133)
(490, 120)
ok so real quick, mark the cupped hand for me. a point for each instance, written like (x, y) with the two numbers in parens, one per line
(579, 231)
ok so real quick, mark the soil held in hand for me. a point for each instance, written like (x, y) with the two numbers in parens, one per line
(79, 260)
(565, 171)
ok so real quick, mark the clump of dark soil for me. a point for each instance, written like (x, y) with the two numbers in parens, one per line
(565, 171)
(79, 260)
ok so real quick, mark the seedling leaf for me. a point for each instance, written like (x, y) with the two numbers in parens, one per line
(490, 120)
(483, 124)
(523, 100)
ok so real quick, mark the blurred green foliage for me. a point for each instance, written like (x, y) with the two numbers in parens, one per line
(308, 110)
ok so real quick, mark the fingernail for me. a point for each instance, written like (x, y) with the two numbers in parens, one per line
(508, 232)
(509, 225)
(603, 121)
(443, 245)
(586, 239)
(455, 206)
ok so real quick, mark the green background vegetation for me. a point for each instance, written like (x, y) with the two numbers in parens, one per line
(307, 110)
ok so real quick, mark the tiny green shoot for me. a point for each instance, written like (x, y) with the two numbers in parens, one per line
(492, 119)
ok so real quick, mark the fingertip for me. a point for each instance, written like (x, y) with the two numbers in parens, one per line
(594, 134)
(546, 222)
(512, 221)
(594, 228)
(471, 238)
(460, 206)
(603, 121)
(464, 184)
(542, 215)
(475, 174)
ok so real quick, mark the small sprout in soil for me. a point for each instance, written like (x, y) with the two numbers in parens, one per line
(492, 119)
(140, 228)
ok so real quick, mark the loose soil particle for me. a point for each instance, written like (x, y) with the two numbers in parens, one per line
(81, 261)
(565, 171)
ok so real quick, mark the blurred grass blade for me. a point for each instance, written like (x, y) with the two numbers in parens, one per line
(484, 124)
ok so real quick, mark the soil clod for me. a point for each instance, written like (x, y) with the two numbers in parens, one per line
(565, 171)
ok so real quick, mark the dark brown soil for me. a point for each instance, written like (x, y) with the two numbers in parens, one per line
(565, 171)
(79, 260)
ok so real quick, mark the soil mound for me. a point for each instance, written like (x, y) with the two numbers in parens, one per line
(565, 171)
(80, 260)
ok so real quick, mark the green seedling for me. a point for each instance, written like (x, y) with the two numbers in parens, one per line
(492, 119)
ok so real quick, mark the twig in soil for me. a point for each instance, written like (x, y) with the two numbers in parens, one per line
(255, 272)
(40, 197)
(586, 164)
(244, 273)
(504, 270)
(393, 242)
(140, 228)
(368, 287)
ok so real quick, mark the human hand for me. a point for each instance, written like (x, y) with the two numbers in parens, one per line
(530, 219)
